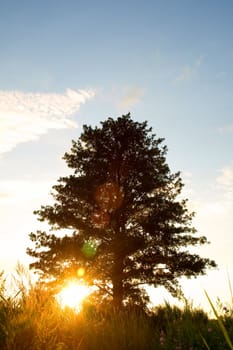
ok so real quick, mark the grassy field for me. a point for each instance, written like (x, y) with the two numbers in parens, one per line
(32, 319)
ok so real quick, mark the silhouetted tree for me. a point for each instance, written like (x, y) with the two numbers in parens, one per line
(129, 228)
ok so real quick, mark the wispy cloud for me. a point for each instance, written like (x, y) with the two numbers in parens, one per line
(22, 191)
(131, 96)
(26, 116)
(199, 61)
(189, 72)
(226, 129)
(216, 200)
(225, 182)
(220, 199)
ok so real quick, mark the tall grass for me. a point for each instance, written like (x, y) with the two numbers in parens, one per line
(32, 319)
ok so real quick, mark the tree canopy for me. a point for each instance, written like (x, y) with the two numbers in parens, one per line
(128, 226)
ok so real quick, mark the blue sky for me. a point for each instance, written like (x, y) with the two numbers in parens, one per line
(66, 63)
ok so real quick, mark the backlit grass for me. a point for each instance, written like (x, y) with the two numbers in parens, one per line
(33, 319)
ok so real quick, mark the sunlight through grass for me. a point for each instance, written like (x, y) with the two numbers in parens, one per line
(72, 295)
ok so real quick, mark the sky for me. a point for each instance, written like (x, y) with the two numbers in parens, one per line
(66, 63)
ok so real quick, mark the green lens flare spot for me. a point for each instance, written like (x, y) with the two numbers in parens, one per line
(89, 249)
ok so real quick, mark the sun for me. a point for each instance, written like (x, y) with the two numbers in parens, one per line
(72, 295)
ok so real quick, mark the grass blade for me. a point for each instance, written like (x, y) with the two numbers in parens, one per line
(205, 342)
(220, 323)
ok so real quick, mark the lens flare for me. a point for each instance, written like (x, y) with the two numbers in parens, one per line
(109, 196)
(100, 218)
(89, 249)
(81, 272)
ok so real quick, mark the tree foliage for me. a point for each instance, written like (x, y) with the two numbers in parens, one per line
(129, 226)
